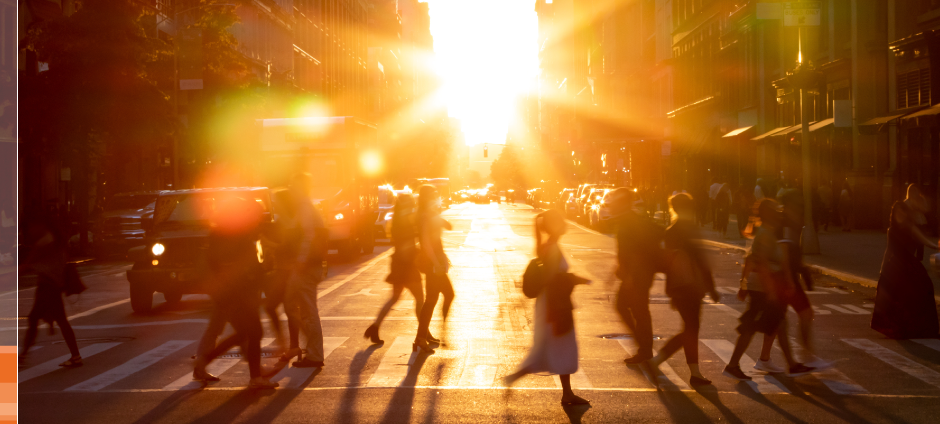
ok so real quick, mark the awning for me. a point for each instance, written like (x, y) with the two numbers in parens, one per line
(822, 124)
(737, 132)
(768, 133)
(930, 111)
(790, 130)
(876, 125)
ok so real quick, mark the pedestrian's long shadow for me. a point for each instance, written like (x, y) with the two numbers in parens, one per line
(282, 399)
(400, 405)
(681, 408)
(234, 407)
(346, 413)
(748, 391)
(168, 405)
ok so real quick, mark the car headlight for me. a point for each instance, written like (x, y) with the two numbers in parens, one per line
(157, 249)
(259, 251)
(388, 216)
(338, 217)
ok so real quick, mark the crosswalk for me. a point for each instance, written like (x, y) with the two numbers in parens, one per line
(480, 363)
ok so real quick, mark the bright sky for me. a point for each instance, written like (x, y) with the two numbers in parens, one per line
(487, 53)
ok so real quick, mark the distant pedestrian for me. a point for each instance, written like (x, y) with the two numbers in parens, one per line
(766, 281)
(722, 202)
(555, 347)
(846, 212)
(713, 190)
(47, 258)
(788, 233)
(743, 204)
(434, 264)
(235, 285)
(688, 279)
(639, 257)
(284, 249)
(905, 307)
(825, 205)
(307, 270)
(404, 273)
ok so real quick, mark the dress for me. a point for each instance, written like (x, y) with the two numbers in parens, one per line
(904, 306)
(551, 354)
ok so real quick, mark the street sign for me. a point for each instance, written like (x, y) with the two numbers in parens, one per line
(802, 13)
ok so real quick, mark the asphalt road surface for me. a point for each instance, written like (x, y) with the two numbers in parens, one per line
(138, 367)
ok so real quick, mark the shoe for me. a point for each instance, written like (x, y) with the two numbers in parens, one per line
(574, 400)
(820, 364)
(768, 366)
(799, 370)
(432, 339)
(422, 345)
(291, 353)
(72, 363)
(372, 333)
(262, 383)
(638, 359)
(307, 363)
(698, 381)
(203, 375)
(736, 373)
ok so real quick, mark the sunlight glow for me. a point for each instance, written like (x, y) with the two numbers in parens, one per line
(487, 54)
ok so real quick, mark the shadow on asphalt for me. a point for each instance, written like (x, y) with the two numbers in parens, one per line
(346, 413)
(400, 406)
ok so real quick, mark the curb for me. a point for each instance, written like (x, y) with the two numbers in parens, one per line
(844, 276)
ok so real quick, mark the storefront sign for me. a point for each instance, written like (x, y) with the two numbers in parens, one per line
(805, 13)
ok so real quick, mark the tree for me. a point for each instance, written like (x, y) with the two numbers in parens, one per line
(508, 170)
(97, 96)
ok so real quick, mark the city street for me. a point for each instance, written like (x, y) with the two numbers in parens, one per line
(138, 367)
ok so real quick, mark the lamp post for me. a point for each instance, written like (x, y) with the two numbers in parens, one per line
(804, 78)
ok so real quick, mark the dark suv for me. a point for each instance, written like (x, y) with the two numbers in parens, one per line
(172, 259)
(117, 227)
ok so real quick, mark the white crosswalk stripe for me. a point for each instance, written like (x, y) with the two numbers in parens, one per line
(395, 363)
(762, 383)
(579, 380)
(130, 367)
(669, 378)
(848, 309)
(293, 378)
(890, 357)
(216, 368)
(481, 363)
(931, 343)
(834, 379)
(50, 366)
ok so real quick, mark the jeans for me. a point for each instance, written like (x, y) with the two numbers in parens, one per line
(437, 284)
(302, 298)
(633, 304)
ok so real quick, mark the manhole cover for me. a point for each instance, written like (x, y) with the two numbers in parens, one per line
(622, 336)
(98, 340)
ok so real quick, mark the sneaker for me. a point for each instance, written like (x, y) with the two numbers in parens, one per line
(736, 373)
(768, 366)
(800, 370)
(820, 364)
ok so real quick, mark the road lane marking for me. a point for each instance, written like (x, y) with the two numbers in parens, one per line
(724, 307)
(395, 364)
(98, 308)
(931, 343)
(579, 380)
(847, 309)
(294, 378)
(762, 383)
(355, 274)
(363, 292)
(896, 360)
(669, 377)
(481, 363)
(834, 379)
(124, 370)
(50, 366)
(216, 367)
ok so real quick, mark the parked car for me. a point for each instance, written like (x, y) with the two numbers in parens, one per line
(387, 198)
(600, 215)
(117, 227)
(172, 260)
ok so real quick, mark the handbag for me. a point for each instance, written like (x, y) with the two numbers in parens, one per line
(533, 280)
(73, 282)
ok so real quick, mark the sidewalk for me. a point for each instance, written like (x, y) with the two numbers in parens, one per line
(854, 256)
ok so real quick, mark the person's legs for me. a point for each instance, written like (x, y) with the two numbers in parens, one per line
(418, 292)
(766, 346)
(32, 330)
(311, 320)
(806, 330)
(433, 284)
(213, 331)
(396, 293)
(447, 289)
(567, 396)
(634, 309)
(690, 314)
(69, 336)
(247, 325)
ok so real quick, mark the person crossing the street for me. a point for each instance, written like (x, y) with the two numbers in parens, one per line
(433, 263)
(639, 257)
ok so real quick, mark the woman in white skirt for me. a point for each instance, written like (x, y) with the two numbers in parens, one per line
(555, 349)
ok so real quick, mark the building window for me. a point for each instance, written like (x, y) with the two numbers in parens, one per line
(914, 88)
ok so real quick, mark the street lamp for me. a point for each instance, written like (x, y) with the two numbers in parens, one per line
(804, 78)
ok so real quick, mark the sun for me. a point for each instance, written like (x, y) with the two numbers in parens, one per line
(487, 55)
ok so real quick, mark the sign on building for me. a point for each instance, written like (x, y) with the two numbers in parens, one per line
(801, 13)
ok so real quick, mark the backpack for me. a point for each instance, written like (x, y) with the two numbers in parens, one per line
(533, 280)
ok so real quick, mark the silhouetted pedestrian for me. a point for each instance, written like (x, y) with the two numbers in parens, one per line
(905, 307)
(284, 249)
(235, 285)
(688, 279)
(47, 258)
(404, 269)
(554, 347)
(434, 263)
(639, 257)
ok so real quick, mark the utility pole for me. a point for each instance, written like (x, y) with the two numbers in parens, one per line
(804, 78)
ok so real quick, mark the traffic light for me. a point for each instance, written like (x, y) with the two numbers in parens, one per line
(486, 152)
